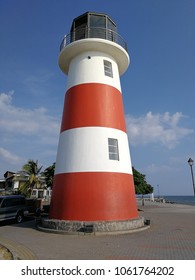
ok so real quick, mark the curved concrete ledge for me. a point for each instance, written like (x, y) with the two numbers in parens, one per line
(96, 228)
(94, 44)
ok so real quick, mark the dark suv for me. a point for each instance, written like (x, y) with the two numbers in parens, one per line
(13, 207)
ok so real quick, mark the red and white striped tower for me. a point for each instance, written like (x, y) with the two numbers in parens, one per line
(93, 177)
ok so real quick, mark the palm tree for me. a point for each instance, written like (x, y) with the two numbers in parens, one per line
(34, 181)
(48, 173)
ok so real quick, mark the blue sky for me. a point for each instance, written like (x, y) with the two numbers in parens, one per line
(158, 87)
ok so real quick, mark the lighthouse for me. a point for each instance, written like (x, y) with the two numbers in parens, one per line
(93, 181)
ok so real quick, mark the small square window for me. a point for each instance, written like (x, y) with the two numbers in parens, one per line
(108, 68)
(113, 149)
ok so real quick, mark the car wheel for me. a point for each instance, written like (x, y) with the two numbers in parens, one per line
(19, 217)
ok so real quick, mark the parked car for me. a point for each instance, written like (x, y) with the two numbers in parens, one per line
(13, 207)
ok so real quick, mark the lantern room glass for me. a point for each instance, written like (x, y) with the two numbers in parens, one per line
(93, 25)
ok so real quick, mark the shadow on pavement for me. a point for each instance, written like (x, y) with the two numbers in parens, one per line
(28, 222)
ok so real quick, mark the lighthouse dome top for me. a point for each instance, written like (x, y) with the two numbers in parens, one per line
(93, 31)
(92, 19)
(96, 23)
(93, 25)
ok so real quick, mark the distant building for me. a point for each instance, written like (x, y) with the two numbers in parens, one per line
(2, 186)
(13, 181)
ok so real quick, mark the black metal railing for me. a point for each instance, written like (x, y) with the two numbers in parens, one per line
(95, 32)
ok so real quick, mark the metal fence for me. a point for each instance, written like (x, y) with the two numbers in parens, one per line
(95, 32)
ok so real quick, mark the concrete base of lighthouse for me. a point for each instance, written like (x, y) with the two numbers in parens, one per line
(96, 228)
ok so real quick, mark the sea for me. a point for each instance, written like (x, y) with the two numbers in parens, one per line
(188, 200)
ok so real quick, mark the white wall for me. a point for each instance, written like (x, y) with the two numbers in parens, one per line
(84, 70)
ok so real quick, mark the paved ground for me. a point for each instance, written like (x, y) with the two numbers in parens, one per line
(171, 236)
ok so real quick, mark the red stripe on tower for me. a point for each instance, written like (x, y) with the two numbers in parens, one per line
(93, 105)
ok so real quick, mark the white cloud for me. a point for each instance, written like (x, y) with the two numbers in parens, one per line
(26, 133)
(156, 128)
(41, 77)
(27, 122)
(9, 157)
(39, 83)
(154, 168)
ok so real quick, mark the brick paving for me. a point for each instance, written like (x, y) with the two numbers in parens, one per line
(170, 236)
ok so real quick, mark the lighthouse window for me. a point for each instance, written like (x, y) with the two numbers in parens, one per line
(113, 149)
(108, 68)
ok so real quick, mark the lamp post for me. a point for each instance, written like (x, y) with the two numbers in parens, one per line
(158, 191)
(190, 162)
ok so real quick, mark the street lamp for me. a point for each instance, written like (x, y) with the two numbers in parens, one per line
(158, 191)
(190, 162)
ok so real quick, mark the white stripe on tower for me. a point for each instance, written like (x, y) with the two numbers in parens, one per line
(88, 67)
(90, 153)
